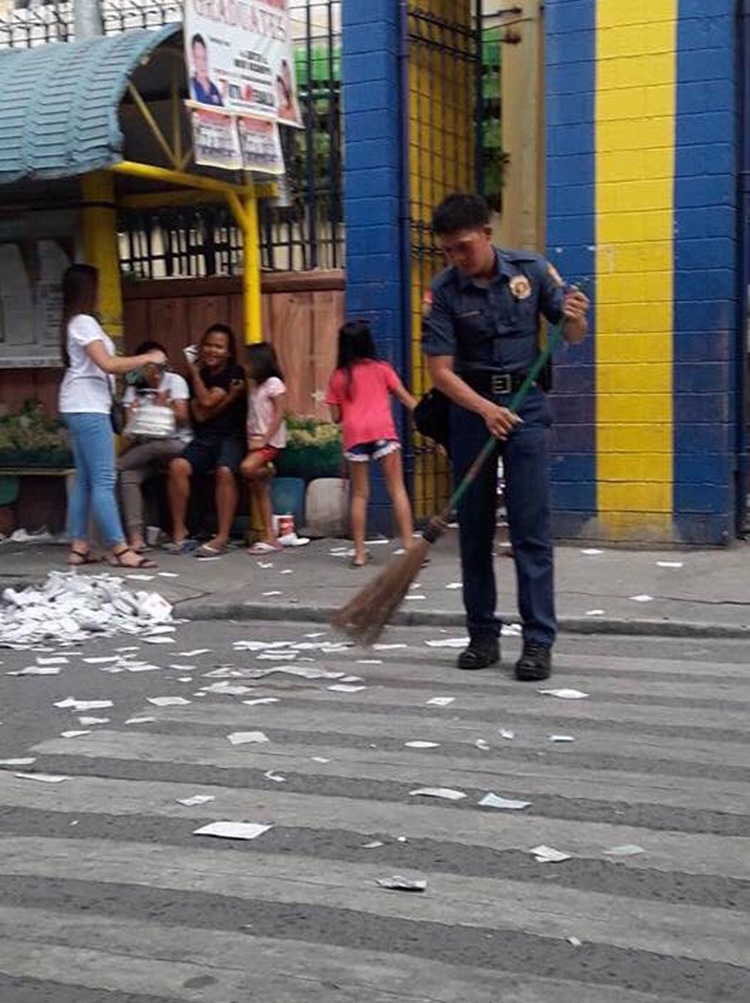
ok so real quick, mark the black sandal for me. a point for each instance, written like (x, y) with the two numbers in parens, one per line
(77, 558)
(143, 562)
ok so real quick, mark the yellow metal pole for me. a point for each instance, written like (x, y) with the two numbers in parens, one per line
(153, 125)
(183, 179)
(251, 293)
(100, 246)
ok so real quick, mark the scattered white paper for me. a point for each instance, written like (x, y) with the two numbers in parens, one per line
(388, 647)
(642, 598)
(159, 639)
(320, 759)
(43, 778)
(448, 642)
(371, 846)
(548, 855)
(139, 720)
(565, 694)
(561, 738)
(232, 830)
(73, 734)
(195, 653)
(413, 596)
(591, 552)
(417, 744)
(669, 564)
(167, 574)
(87, 720)
(141, 578)
(168, 701)
(257, 701)
(575, 941)
(276, 777)
(273, 592)
(399, 884)
(594, 612)
(19, 761)
(369, 661)
(196, 799)
(37, 670)
(454, 585)
(245, 737)
(446, 793)
(626, 850)
(102, 660)
(508, 804)
(182, 667)
(53, 660)
(228, 689)
(511, 630)
(482, 744)
(507, 733)
(441, 701)
(345, 688)
(72, 704)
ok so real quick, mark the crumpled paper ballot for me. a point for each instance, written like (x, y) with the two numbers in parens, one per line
(69, 608)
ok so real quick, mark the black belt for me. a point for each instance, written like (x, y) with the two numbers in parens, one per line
(487, 382)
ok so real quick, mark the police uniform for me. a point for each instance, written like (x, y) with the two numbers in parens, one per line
(491, 330)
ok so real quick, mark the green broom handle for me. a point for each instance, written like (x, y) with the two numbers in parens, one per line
(553, 340)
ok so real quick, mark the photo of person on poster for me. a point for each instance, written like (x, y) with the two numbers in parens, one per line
(286, 108)
(202, 88)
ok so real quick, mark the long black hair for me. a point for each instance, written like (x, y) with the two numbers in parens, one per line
(263, 362)
(80, 286)
(355, 345)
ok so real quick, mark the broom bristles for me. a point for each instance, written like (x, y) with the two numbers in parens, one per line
(367, 614)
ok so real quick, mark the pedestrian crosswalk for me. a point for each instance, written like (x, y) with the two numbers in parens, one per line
(107, 894)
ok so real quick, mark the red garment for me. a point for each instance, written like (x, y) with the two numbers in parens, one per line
(366, 405)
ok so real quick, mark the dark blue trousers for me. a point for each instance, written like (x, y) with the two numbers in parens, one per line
(527, 496)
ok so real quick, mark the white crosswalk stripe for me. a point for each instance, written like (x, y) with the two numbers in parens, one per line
(107, 893)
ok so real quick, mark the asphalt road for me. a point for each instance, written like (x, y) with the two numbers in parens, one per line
(107, 896)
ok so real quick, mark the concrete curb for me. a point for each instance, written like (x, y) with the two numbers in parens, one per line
(196, 609)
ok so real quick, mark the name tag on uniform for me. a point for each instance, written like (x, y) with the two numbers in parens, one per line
(470, 313)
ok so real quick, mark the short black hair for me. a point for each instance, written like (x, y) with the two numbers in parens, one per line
(262, 361)
(198, 39)
(150, 346)
(460, 211)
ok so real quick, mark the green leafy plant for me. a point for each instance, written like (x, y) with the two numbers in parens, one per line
(313, 449)
(32, 438)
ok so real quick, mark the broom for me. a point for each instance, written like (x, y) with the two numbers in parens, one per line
(366, 615)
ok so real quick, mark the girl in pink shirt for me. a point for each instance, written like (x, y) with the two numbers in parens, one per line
(359, 395)
(266, 435)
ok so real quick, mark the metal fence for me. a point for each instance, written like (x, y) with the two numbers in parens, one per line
(303, 228)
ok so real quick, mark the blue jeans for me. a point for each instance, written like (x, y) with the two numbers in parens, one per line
(93, 491)
(527, 498)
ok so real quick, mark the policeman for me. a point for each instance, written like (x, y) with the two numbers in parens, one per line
(481, 337)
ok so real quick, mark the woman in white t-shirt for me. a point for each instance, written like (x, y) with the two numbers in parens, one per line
(85, 403)
(150, 444)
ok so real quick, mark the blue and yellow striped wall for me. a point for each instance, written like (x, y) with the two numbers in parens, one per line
(642, 162)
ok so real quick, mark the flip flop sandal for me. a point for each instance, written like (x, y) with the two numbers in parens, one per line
(261, 549)
(77, 558)
(143, 562)
(183, 547)
(206, 550)
(354, 563)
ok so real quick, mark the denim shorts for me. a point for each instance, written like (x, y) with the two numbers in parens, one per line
(363, 452)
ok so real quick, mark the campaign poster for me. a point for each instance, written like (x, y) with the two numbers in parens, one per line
(240, 57)
(215, 139)
(260, 144)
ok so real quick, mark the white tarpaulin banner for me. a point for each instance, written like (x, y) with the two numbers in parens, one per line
(241, 77)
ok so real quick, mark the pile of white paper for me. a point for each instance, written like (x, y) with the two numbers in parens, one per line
(70, 607)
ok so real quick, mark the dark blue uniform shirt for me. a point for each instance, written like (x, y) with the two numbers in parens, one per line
(493, 325)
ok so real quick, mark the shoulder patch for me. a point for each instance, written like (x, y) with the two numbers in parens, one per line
(555, 275)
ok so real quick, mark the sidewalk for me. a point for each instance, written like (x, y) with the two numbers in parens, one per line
(708, 594)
